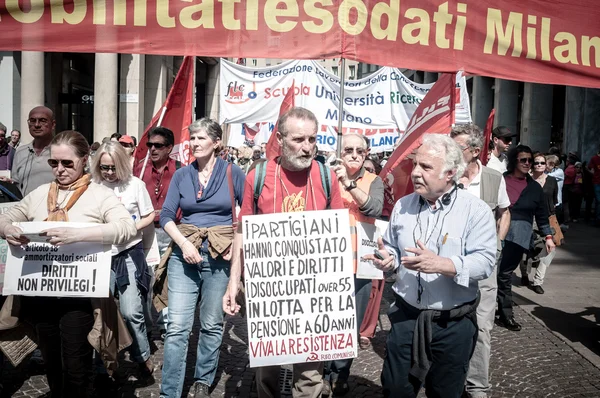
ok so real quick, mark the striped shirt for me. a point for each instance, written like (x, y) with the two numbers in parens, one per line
(463, 231)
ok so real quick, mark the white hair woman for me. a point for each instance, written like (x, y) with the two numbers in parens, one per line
(198, 268)
(64, 326)
(111, 167)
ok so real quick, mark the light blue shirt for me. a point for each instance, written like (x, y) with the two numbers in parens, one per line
(463, 231)
(559, 175)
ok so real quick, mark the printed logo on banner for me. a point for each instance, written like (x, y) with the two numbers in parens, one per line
(236, 92)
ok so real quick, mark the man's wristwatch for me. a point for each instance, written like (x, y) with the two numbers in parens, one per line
(351, 186)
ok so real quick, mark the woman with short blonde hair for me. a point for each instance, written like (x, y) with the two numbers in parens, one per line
(111, 168)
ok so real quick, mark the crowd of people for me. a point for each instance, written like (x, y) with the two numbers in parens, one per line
(451, 246)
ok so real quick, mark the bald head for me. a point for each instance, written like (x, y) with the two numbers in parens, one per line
(41, 123)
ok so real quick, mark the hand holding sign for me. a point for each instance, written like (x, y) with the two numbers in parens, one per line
(14, 236)
(387, 263)
(62, 236)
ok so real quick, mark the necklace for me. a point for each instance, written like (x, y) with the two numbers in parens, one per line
(203, 179)
(59, 205)
(293, 202)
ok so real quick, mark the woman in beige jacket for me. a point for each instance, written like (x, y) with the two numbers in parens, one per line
(62, 325)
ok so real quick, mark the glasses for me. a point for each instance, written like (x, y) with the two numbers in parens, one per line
(105, 167)
(67, 164)
(370, 170)
(506, 140)
(126, 145)
(539, 163)
(156, 145)
(359, 151)
(33, 120)
(525, 160)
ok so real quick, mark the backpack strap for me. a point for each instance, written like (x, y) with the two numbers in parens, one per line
(259, 182)
(325, 182)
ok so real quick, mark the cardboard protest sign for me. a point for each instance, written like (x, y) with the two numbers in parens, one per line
(4, 245)
(41, 269)
(299, 282)
(366, 237)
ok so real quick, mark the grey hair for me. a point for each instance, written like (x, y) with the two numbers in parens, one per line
(296, 112)
(2, 127)
(450, 151)
(553, 159)
(212, 128)
(475, 136)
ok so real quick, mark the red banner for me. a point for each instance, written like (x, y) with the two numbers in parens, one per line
(537, 41)
(487, 138)
(435, 114)
(175, 114)
(273, 149)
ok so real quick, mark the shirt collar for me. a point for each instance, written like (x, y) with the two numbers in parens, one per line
(477, 178)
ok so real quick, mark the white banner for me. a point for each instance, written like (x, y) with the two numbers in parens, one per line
(299, 287)
(378, 106)
(41, 269)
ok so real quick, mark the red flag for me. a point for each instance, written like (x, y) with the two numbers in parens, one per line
(435, 114)
(487, 137)
(177, 116)
(273, 150)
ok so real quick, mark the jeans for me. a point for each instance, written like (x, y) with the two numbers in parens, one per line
(511, 257)
(134, 309)
(451, 347)
(207, 280)
(340, 369)
(478, 380)
(163, 239)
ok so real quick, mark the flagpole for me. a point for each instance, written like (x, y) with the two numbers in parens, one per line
(341, 107)
(160, 119)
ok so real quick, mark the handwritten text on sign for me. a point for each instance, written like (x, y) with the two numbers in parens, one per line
(74, 270)
(299, 287)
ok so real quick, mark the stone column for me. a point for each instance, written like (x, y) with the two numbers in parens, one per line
(430, 77)
(155, 91)
(574, 118)
(536, 119)
(32, 87)
(10, 81)
(105, 95)
(212, 92)
(506, 102)
(131, 95)
(483, 100)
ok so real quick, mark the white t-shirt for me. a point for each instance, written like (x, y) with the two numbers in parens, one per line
(135, 198)
(474, 188)
(498, 164)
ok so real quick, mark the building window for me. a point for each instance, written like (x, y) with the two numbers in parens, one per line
(334, 69)
(352, 72)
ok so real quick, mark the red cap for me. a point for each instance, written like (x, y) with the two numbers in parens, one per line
(126, 139)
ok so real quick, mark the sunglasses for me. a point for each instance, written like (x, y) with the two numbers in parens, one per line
(156, 145)
(525, 160)
(539, 163)
(105, 167)
(359, 151)
(126, 145)
(67, 164)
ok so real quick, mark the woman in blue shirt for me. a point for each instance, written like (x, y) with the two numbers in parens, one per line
(198, 267)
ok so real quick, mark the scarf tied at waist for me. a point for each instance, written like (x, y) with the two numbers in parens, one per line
(422, 335)
(142, 274)
(219, 241)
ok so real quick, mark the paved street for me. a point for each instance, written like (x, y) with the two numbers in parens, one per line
(555, 355)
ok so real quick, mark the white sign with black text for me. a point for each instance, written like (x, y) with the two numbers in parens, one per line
(41, 269)
(299, 287)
